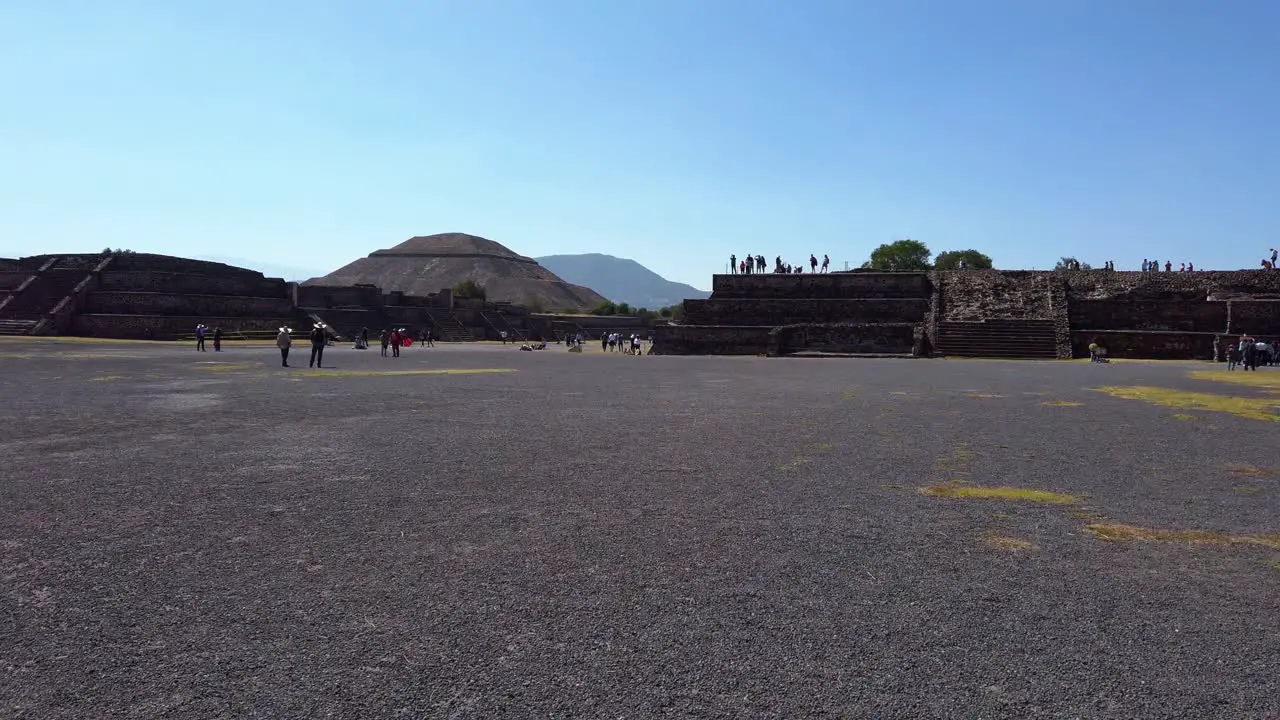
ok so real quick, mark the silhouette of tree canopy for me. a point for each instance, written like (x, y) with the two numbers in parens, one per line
(951, 259)
(900, 255)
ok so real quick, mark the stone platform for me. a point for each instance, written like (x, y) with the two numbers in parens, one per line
(980, 313)
(210, 535)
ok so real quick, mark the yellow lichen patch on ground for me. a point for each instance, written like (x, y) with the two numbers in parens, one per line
(106, 378)
(825, 447)
(1115, 532)
(795, 464)
(1182, 416)
(1266, 381)
(1062, 403)
(392, 373)
(1252, 408)
(1243, 470)
(1009, 544)
(984, 396)
(228, 367)
(1012, 494)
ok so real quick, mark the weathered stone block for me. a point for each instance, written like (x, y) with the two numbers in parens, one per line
(1152, 345)
(1168, 314)
(844, 338)
(830, 285)
(774, 312)
(139, 303)
(710, 340)
(194, 284)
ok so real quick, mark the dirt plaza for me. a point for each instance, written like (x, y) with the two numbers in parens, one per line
(474, 531)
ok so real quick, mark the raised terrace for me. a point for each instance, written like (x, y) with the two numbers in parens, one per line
(136, 295)
(983, 313)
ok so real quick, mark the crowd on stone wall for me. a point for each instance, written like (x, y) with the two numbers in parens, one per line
(757, 265)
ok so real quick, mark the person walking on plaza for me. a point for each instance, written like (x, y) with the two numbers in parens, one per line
(217, 339)
(200, 338)
(318, 340)
(284, 342)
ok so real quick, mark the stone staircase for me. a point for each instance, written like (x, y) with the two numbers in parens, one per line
(450, 329)
(501, 324)
(17, 327)
(23, 312)
(997, 338)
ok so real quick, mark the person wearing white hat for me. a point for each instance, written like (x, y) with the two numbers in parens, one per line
(284, 342)
(200, 337)
(318, 340)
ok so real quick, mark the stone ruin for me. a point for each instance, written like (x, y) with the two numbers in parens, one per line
(144, 296)
(978, 313)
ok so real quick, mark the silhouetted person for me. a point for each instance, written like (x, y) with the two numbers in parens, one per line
(318, 340)
(217, 339)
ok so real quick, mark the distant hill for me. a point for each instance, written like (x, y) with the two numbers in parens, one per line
(427, 264)
(621, 280)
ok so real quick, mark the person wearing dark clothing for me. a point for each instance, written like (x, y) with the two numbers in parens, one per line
(200, 338)
(318, 340)
(217, 339)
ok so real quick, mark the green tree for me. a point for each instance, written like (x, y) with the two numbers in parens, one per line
(951, 259)
(469, 289)
(605, 308)
(623, 309)
(900, 255)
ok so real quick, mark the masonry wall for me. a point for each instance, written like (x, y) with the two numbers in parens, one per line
(968, 295)
(165, 328)
(140, 303)
(723, 340)
(10, 280)
(1151, 345)
(844, 338)
(1257, 317)
(326, 296)
(830, 285)
(1103, 284)
(825, 310)
(1183, 315)
(187, 283)
(167, 263)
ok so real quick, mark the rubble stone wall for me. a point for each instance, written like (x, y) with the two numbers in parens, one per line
(145, 303)
(830, 285)
(188, 283)
(774, 312)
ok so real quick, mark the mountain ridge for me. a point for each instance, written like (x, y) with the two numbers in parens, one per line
(622, 280)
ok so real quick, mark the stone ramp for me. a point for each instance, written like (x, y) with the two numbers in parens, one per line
(997, 338)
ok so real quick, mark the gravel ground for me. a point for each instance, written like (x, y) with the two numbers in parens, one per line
(606, 536)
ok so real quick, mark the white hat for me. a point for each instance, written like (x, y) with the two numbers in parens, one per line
(285, 330)
(320, 325)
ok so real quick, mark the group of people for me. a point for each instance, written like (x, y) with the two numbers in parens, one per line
(1154, 266)
(319, 338)
(1271, 264)
(1250, 352)
(202, 331)
(611, 342)
(756, 264)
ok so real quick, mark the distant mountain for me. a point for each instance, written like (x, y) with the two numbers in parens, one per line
(621, 280)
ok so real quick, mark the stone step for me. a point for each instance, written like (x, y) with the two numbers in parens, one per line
(17, 327)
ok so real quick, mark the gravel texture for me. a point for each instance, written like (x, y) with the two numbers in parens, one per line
(607, 536)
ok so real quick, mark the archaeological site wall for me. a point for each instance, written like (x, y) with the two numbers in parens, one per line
(983, 312)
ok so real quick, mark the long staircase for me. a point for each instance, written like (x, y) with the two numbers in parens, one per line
(501, 325)
(24, 311)
(997, 338)
(451, 330)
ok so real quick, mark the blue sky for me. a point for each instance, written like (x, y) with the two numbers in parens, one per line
(307, 134)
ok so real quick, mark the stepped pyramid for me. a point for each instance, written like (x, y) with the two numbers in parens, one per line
(426, 264)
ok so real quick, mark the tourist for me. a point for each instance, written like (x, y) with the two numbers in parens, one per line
(1168, 266)
(284, 342)
(503, 335)
(1191, 267)
(826, 263)
(318, 340)
(217, 339)
(1146, 265)
(1233, 356)
(364, 338)
(200, 338)
(1274, 256)
(813, 263)
(385, 337)
(635, 344)
(733, 264)
(396, 341)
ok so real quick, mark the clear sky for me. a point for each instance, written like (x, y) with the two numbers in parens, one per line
(674, 132)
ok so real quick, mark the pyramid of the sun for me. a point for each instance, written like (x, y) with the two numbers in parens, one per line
(426, 264)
